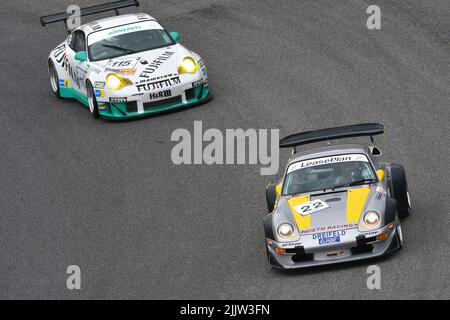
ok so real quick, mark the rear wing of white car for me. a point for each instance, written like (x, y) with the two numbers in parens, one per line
(357, 130)
(111, 6)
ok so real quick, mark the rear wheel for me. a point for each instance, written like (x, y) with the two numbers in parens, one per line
(54, 79)
(92, 100)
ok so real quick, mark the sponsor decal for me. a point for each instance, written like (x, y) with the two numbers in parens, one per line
(95, 26)
(60, 54)
(344, 226)
(291, 244)
(99, 84)
(102, 106)
(161, 94)
(95, 70)
(116, 32)
(124, 66)
(310, 207)
(123, 71)
(203, 68)
(122, 63)
(166, 76)
(381, 190)
(197, 84)
(329, 237)
(118, 100)
(64, 83)
(78, 75)
(159, 84)
(153, 66)
(99, 93)
(142, 16)
(204, 72)
(326, 160)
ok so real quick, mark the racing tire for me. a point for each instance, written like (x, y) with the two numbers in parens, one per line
(92, 100)
(271, 196)
(399, 190)
(54, 79)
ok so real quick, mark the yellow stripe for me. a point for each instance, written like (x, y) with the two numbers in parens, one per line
(356, 199)
(303, 222)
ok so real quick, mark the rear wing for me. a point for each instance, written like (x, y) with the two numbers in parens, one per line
(357, 130)
(111, 6)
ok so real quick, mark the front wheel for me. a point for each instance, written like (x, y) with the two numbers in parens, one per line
(271, 196)
(399, 190)
(92, 100)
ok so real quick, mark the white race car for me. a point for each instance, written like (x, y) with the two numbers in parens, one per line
(125, 66)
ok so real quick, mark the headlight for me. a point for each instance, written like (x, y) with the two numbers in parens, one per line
(285, 230)
(371, 219)
(117, 82)
(188, 65)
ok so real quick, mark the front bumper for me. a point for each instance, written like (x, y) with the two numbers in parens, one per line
(360, 248)
(141, 106)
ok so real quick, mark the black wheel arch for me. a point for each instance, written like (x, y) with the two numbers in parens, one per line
(268, 226)
(398, 187)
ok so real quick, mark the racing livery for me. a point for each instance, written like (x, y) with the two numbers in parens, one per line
(335, 203)
(126, 66)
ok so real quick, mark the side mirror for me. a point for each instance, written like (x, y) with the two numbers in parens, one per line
(175, 36)
(81, 56)
(376, 152)
(380, 174)
(278, 189)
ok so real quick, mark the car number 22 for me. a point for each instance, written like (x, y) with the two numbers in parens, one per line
(312, 206)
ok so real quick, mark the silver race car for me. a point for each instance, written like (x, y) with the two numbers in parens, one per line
(335, 203)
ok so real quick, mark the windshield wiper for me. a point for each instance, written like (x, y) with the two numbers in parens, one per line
(355, 183)
(119, 48)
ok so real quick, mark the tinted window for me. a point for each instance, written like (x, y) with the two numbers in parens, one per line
(128, 43)
(328, 173)
(77, 41)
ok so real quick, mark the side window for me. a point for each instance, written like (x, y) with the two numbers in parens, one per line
(78, 42)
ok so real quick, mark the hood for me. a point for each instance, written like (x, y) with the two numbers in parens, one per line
(328, 211)
(145, 66)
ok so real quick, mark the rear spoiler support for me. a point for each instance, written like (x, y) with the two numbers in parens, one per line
(358, 130)
(111, 6)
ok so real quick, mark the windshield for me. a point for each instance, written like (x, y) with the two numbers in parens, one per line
(124, 40)
(328, 173)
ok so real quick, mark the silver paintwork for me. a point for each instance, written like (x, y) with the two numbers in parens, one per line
(335, 215)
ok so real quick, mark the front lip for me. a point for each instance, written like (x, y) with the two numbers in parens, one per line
(380, 248)
(125, 117)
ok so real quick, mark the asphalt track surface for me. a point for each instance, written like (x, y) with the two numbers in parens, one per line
(106, 196)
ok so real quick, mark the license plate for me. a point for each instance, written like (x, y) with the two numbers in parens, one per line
(329, 240)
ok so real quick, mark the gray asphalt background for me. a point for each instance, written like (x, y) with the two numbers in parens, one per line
(106, 196)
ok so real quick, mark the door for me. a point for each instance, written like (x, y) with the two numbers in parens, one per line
(75, 69)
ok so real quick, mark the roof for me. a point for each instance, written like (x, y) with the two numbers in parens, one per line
(115, 21)
(329, 151)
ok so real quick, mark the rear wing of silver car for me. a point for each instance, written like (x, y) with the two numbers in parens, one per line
(357, 130)
(111, 6)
